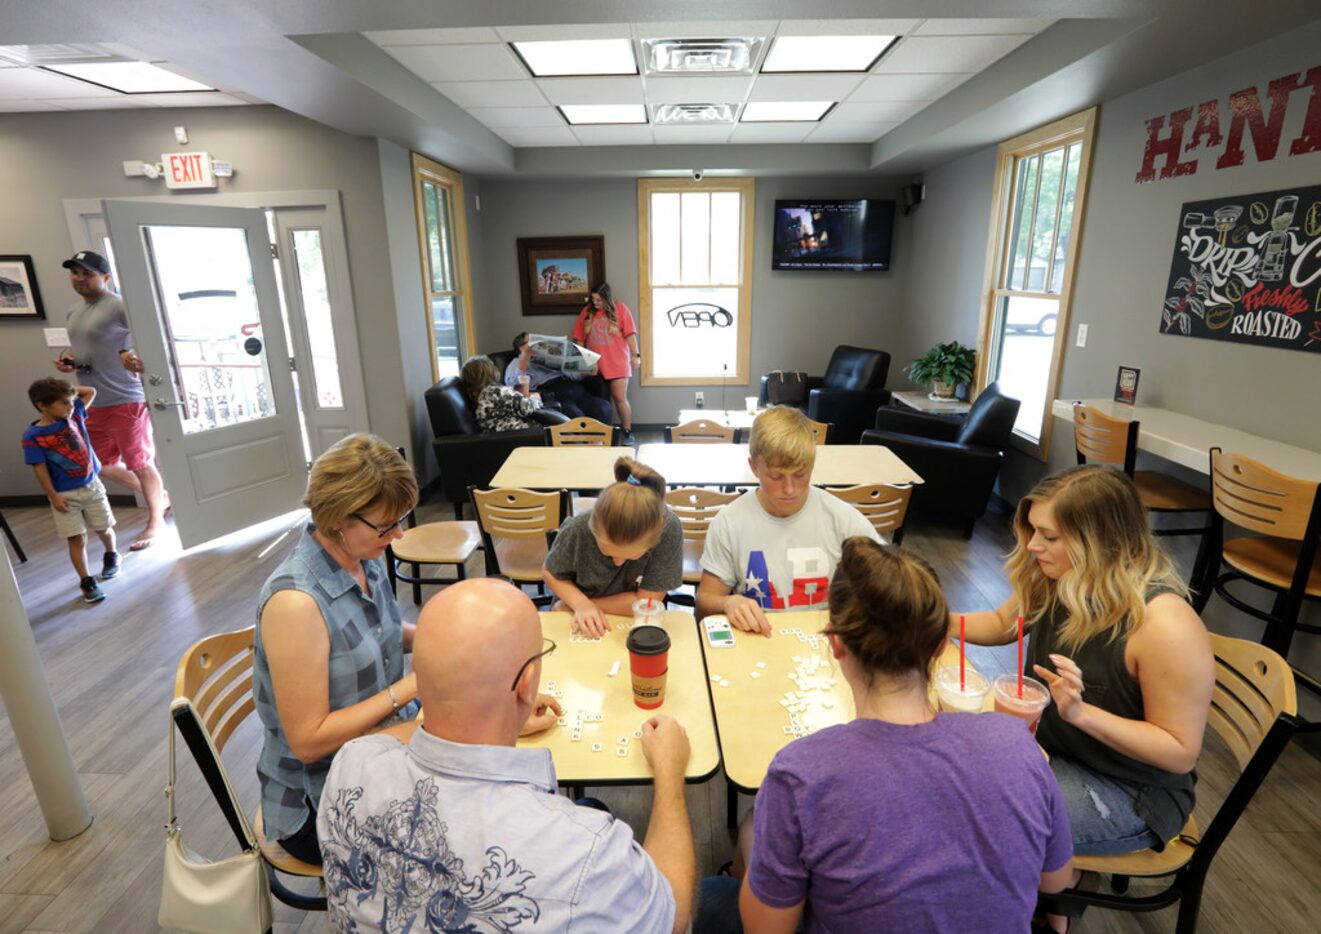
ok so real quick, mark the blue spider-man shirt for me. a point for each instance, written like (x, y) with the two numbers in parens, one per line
(64, 448)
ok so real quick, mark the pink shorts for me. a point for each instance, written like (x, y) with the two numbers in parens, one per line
(121, 432)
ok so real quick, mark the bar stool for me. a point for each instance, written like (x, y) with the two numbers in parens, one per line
(442, 543)
(1285, 512)
(1101, 438)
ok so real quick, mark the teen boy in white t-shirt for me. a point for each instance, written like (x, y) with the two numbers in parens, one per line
(776, 548)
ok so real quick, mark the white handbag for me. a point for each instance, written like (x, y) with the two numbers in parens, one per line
(232, 896)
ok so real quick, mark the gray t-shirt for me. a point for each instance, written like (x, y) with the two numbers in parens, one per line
(98, 331)
(782, 564)
(575, 557)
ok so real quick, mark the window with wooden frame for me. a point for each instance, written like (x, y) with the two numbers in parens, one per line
(1040, 188)
(443, 239)
(695, 280)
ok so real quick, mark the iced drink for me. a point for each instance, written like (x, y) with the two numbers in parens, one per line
(648, 612)
(648, 663)
(1029, 706)
(969, 698)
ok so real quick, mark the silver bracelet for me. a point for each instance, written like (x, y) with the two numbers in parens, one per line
(394, 701)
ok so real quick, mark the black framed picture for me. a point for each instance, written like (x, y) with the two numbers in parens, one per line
(19, 295)
(1126, 385)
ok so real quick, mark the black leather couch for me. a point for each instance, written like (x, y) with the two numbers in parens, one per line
(959, 460)
(464, 455)
(848, 396)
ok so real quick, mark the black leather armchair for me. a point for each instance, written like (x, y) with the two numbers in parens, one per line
(958, 460)
(594, 385)
(465, 455)
(848, 396)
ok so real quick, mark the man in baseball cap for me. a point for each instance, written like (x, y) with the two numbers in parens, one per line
(101, 351)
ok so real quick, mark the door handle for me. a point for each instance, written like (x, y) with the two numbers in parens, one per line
(155, 380)
(162, 404)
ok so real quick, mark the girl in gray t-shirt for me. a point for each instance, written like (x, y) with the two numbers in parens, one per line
(629, 547)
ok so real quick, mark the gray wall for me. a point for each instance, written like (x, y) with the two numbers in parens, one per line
(48, 157)
(798, 317)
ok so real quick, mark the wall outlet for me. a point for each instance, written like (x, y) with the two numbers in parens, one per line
(1082, 335)
(701, 399)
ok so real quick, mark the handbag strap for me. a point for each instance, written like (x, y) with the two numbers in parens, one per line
(170, 819)
(185, 718)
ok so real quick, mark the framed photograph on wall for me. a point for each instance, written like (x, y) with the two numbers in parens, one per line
(1126, 385)
(556, 274)
(19, 295)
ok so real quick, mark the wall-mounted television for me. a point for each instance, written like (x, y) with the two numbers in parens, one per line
(851, 235)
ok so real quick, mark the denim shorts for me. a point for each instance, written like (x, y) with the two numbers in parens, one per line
(1101, 811)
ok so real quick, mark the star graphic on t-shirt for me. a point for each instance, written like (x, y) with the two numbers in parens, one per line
(752, 584)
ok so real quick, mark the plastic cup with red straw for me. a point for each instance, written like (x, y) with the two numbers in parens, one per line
(1020, 655)
(963, 663)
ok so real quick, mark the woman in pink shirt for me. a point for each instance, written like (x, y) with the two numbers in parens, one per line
(606, 327)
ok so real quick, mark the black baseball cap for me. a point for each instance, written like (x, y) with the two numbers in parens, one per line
(94, 262)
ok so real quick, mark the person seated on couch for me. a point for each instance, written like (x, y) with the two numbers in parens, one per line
(572, 397)
(498, 407)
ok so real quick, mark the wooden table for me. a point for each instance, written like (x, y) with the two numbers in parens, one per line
(727, 464)
(1186, 440)
(749, 714)
(579, 467)
(580, 673)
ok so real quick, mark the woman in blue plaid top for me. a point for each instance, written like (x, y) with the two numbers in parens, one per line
(330, 641)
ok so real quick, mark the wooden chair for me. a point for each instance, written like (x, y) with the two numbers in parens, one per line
(446, 543)
(701, 431)
(13, 540)
(1254, 710)
(695, 508)
(212, 696)
(1283, 559)
(820, 431)
(517, 527)
(1101, 438)
(582, 431)
(884, 506)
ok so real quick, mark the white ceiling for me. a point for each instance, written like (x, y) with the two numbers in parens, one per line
(476, 68)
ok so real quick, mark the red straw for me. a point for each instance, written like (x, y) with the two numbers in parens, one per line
(649, 601)
(962, 663)
(1020, 656)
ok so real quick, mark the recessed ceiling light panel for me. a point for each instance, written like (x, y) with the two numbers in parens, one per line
(825, 53)
(700, 56)
(556, 58)
(129, 77)
(692, 114)
(52, 54)
(784, 111)
(583, 114)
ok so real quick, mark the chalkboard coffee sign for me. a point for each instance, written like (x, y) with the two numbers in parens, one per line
(1248, 269)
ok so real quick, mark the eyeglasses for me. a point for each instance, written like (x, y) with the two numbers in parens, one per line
(523, 667)
(381, 530)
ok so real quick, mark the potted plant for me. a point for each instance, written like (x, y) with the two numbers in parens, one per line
(944, 366)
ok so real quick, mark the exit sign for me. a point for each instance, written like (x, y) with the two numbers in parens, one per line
(188, 170)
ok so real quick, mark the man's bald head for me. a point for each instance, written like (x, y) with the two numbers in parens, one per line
(471, 639)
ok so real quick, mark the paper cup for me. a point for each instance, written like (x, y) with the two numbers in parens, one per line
(751, 403)
(648, 662)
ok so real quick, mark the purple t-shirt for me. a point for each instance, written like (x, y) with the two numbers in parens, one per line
(943, 826)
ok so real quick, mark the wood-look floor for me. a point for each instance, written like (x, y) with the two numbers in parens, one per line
(111, 668)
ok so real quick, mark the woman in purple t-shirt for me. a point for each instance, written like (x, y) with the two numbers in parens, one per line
(903, 819)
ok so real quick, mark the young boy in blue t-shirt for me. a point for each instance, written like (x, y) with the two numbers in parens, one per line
(57, 447)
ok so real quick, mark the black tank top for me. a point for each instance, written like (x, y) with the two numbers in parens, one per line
(1162, 799)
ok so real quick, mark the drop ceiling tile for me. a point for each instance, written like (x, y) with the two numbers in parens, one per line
(489, 62)
(192, 99)
(34, 84)
(880, 111)
(849, 132)
(555, 32)
(771, 132)
(13, 107)
(847, 27)
(804, 87)
(538, 136)
(981, 27)
(614, 135)
(623, 89)
(698, 89)
(453, 36)
(906, 87)
(691, 134)
(716, 29)
(947, 54)
(517, 116)
(492, 93)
